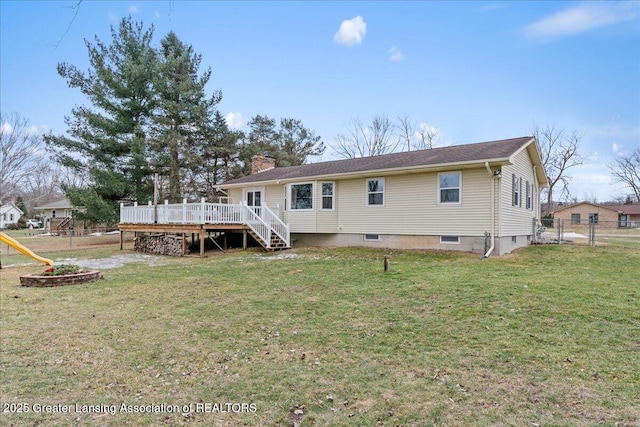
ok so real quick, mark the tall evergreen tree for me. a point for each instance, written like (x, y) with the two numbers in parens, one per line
(261, 139)
(296, 143)
(289, 144)
(219, 153)
(107, 140)
(183, 114)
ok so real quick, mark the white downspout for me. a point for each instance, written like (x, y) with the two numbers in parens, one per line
(536, 200)
(493, 210)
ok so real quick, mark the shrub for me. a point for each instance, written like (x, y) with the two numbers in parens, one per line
(61, 270)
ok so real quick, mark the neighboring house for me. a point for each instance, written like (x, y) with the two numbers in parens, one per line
(606, 216)
(482, 197)
(57, 215)
(630, 216)
(9, 214)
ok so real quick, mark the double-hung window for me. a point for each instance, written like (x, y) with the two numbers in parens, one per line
(529, 190)
(449, 187)
(516, 182)
(575, 218)
(301, 196)
(328, 194)
(375, 192)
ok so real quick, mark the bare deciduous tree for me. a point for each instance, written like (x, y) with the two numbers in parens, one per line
(21, 152)
(626, 169)
(362, 140)
(406, 130)
(560, 152)
(427, 135)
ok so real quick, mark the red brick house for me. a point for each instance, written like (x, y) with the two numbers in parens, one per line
(608, 216)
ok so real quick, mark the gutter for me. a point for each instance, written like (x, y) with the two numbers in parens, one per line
(494, 175)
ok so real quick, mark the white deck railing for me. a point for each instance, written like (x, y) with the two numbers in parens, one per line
(263, 221)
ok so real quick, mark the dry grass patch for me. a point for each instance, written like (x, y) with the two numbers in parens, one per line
(549, 335)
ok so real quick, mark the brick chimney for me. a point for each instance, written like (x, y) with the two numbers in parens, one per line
(261, 163)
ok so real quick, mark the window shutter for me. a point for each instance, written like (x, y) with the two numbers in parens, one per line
(520, 192)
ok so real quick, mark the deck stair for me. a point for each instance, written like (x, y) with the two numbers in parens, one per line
(275, 244)
(65, 223)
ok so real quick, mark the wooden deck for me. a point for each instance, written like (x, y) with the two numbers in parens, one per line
(203, 218)
(201, 230)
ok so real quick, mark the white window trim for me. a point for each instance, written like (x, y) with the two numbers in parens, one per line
(459, 202)
(254, 189)
(333, 196)
(444, 242)
(371, 234)
(291, 209)
(285, 189)
(384, 191)
(516, 189)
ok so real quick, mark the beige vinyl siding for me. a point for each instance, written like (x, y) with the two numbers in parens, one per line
(272, 195)
(274, 198)
(302, 220)
(235, 195)
(411, 206)
(517, 220)
(326, 220)
(315, 220)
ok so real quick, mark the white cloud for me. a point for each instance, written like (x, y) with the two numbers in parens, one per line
(235, 120)
(351, 31)
(395, 55)
(34, 130)
(582, 18)
(133, 8)
(492, 6)
(7, 128)
(615, 148)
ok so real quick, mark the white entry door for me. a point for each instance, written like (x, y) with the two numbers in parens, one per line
(253, 198)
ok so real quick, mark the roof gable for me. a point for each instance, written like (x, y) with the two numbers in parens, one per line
(7, 207)
(574, 205)
(501, 150)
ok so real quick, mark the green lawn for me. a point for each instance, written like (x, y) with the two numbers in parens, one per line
(549, 335)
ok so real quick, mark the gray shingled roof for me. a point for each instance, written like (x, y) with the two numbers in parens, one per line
(623, 209)
(58, 204)
(478, 152)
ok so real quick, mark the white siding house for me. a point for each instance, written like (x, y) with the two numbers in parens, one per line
(57, 213)
(481, 198)
(9, 214)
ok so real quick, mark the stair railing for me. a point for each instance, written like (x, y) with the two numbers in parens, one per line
(276, 224)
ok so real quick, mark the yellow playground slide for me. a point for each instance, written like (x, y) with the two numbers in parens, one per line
(14, 244)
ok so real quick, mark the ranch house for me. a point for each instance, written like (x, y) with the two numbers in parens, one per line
(604, 215)
(481, 198)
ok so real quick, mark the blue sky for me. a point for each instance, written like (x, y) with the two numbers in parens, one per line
(475, 71)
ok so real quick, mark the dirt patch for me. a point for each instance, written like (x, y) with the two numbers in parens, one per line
(115, 261)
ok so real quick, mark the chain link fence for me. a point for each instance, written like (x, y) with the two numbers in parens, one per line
(587, 232)
(42, 242)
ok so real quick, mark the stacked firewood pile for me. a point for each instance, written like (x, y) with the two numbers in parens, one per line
(159, 244)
